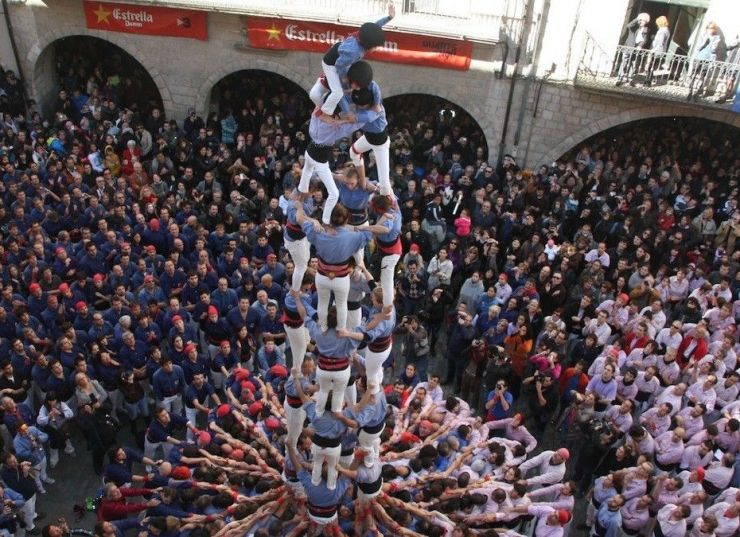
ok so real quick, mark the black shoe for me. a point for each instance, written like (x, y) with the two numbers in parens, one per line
(34, 531)
(633, 83)
(721, 100)
(648, 83)
(619, 83)
(582, 527)
(40, 515)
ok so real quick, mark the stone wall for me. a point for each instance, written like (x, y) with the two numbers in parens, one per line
(185, 71)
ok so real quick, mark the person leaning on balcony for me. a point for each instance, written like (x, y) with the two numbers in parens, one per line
(658, 48)
(637, 37)
(713, 48)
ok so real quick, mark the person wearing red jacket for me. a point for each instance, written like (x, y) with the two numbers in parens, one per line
(113, 506)
(693, 348)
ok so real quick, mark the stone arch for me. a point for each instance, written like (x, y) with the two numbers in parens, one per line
(628, 116)
(245, 63)
(485, 121)
(38, 59)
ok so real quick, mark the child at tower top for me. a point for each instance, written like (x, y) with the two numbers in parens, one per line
(340, 57)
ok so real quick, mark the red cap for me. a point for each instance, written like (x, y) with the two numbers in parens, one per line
(414, 248)
(180, 473)
(279, 371)
(34, 287)
(249, 385)
(504, 276)
(63, 288)
(700, 472)
(149, 278)
(564, 453)
(624, 297)
(80, 305)
(241, 374)
(152, 249)
(212, 310)
(223, 410)
(224, 343)
(409, 437)
(271, 256)
(426, 424)
(98, 277)
(59, 250)
(237, 455)
(255, 408)
(189, 348)
(204, 438)
(272, 423)
(154, 224)
(176, 318)
(563, 517)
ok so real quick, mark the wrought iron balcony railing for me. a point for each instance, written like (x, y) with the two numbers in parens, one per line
(661, 75)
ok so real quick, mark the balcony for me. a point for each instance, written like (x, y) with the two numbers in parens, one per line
(665, 76)
(475, 20)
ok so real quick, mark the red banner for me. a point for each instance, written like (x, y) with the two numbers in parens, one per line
(279, 34)
(136, 19)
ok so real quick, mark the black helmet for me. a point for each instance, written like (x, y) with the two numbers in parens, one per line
(371, 35)
(361, 73)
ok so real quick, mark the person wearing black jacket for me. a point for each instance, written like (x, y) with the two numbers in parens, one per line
(16, 476)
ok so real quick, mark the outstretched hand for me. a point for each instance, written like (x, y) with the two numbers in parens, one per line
(391, 10)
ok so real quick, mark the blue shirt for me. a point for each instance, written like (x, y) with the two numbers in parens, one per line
(393, 226)
(337, 247)
(351, 50)
(168, 384)
(319, 495)
(192, 393)
(326, 425)
(157, 432)
(330, 344)
(372, 415)
(323, 133)
(120, 472)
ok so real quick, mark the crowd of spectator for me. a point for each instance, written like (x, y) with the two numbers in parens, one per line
(144, 280)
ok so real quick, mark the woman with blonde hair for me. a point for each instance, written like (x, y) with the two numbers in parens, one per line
(658, 48)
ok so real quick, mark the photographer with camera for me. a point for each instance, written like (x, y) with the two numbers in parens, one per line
(542, 400)
(461, 335)
(416, 344)
(499, 401)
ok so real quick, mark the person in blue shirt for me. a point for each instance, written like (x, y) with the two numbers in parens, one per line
(388, 242)
(333, 358)
(377, 334)
(341, 56)
(295, 239)
(269, 355)
(168, 384)
(223, 297)
(119, 469)
(197, 397)
(335, 251)
(160, 432)
(293, 406)
(271, 326)
(354, 194)
(292, 322)
(499, 402)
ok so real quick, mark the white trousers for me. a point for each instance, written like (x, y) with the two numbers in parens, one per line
(295, 418)
(298, 339)
(318, 91)
(333, 382)
(374, 367)
(354, 318)
(340, 287)
(27, 513)
(40, 475)
(331, 456)
(350, 394)
(322, 170)
(387, 273)
(382, 161)
(370, 441)
(300, 253)
(359, 255)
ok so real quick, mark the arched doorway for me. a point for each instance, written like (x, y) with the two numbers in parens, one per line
(253, 94)
(449, 124)
(668, 137)
(97, 68)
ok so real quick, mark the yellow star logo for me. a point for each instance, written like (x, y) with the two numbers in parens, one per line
(273, 33)
(102, 14)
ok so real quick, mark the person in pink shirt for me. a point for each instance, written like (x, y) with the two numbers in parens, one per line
(463, 224)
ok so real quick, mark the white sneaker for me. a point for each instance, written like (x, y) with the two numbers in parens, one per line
(69, 449)
(42, 491)
(49, 481)
(53, 457)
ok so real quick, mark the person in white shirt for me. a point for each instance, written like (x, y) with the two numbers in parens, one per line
(669, 449)
(703, 392)
(728, 519)
(599, 253)
(657, 420)
(599, 328)
(671, 337)
(727, 390)
(549, 466)
(671, 521)
(656, 309)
